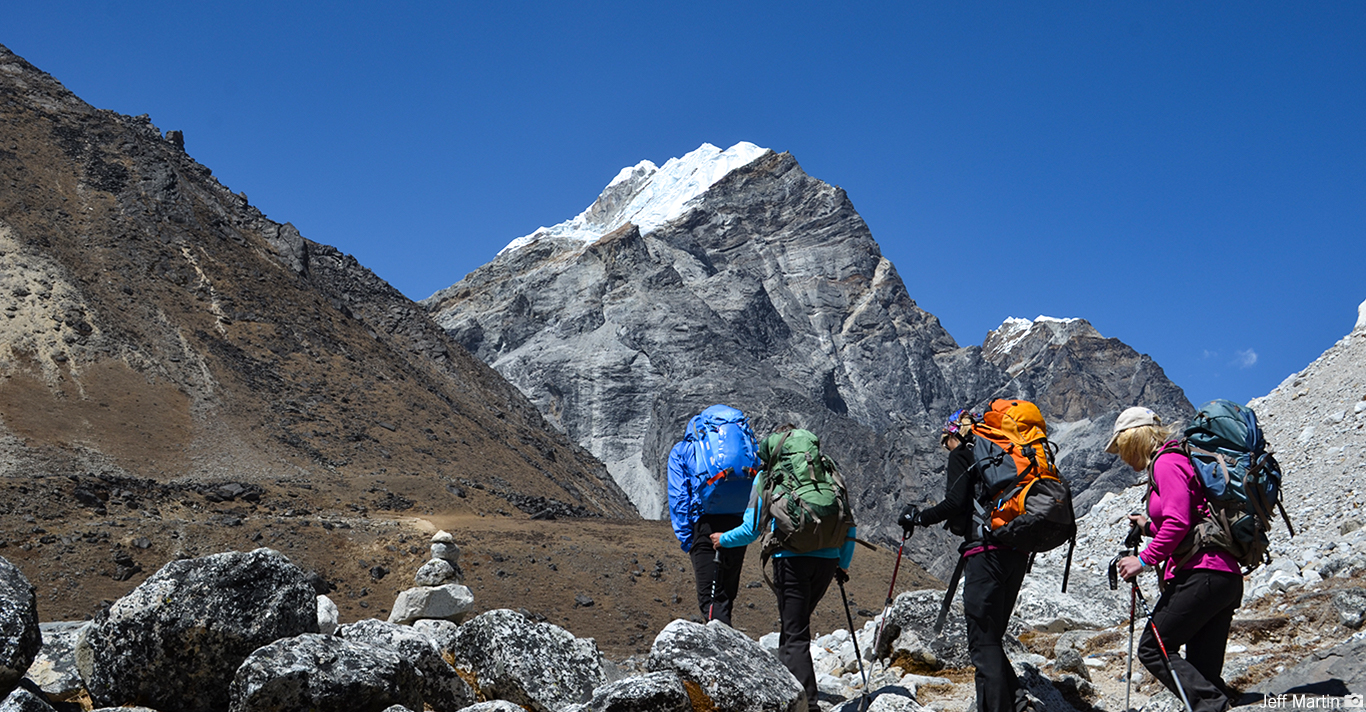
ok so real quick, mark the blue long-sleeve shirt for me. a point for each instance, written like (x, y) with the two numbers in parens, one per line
(748, 531)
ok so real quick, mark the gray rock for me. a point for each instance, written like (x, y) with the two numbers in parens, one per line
(450, 602)
(222, 607)
(442, 689)
(1351, 606)
(1336, 670)
(23, 700)
(441, 633)
(537, 665)
(443, 537)
(435, 572)
(54, 669)
(1070, 661)
(327, 615)
(1073, 640)
(496, 706)
(324, 673)
(446, 552)
(735, 673)
(909, 631)
(655, 692)
(18, 624)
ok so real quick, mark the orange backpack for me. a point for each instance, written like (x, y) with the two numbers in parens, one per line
(1030, 504)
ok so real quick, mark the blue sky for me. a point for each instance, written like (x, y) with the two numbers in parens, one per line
(1189, 177)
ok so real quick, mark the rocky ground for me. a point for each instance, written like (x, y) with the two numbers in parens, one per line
(84, 541)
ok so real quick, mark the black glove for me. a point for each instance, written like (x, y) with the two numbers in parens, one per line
(910, 517)
(841, 576)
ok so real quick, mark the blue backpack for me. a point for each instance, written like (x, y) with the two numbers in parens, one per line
(725, 459)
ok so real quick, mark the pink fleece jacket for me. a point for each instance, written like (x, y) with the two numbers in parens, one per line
(1176, 504)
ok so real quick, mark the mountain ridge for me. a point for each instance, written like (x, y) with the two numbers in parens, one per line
(770, 293)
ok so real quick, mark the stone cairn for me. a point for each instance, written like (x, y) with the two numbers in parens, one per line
(439, 594)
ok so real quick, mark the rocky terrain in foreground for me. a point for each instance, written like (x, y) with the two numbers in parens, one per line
(273, 643)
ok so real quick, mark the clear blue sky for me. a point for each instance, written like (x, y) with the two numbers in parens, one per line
(1189, 177)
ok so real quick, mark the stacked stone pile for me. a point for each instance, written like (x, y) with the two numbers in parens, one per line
(439, 595)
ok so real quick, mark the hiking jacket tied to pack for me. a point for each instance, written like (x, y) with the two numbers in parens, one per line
(684, 505)
(1176, 503)
(748, 531)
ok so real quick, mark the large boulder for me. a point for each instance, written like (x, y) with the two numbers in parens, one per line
(23, 699)
(54, 670)
(19, 624)
(909, 631)
(655, 692)
(442, 689)
(735, 673)
(324, 673)
(537, 665)
(450, 602)
(1335, 671)
(175, 641)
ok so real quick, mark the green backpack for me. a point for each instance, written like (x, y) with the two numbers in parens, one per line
(804, 493)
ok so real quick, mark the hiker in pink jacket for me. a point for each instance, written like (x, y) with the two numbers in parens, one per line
(1201, 589)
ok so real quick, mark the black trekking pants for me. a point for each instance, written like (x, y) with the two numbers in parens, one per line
(725, 579)
(1195, 611)
(991, 582)
(800, 582)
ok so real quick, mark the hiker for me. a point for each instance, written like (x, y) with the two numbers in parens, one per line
(710, 476)
(992, 572)
(1200, 592)
(800, 575)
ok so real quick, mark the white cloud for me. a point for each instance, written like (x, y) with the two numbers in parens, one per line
(1209, 354)
(1246, 358)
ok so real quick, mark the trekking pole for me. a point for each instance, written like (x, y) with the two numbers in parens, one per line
(887, 607)
(1162, 646)
(840, 578)
(711, 605)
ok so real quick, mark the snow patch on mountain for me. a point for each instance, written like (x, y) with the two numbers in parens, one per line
(649, 196)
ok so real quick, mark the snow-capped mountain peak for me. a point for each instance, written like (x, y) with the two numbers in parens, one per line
(649, 195)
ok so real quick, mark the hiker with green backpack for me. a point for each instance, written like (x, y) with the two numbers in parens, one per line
(800, 506)
(1202, 582)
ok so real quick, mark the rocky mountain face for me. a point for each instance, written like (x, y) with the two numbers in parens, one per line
(160, 338)
(766, 291)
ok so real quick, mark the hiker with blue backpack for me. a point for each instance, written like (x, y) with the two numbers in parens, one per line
(711, 472)
(799, 505)
(1210, 496)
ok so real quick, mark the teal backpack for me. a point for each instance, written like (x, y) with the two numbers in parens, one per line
(1241, 479)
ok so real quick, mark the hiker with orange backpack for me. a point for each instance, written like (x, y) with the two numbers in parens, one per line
(1201, 589)
(996, 462)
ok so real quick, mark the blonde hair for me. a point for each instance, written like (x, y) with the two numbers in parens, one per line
(1137, 445)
